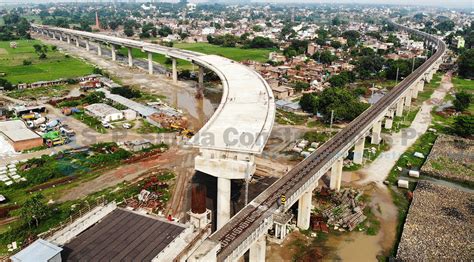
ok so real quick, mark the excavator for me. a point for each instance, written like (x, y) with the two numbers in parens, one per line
(182, 130)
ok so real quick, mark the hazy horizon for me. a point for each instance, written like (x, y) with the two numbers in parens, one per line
(438, 3)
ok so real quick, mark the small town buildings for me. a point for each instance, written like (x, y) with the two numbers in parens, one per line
(282, 92)
(459, 42)
(104, 112)
(19, 136)
(288, 106)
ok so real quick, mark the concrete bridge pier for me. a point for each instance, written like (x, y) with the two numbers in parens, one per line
(399, 111)
(61, 37)
(200, 82)
(376, 130)
(99, 49)
(77, 42)
(53, 35)
(414, 92)
(421, 85)
(114, 53)
(257, 250)
(304, 209)
(225, 165)
(68, 38)
(389, 119)
(130, 57)
(175, 70)
(359, 151)
(336, 174)
(150, 63)
(408, 99)
(88, 45)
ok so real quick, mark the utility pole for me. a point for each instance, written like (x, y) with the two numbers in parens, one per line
(396, 78)
(332, 119)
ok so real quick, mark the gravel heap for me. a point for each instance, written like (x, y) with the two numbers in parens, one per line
(439, 225)
(451, 158)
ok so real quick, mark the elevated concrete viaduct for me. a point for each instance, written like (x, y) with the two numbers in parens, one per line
(240, 126)
(227, 159)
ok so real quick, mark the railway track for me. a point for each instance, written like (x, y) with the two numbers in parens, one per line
(234, 232)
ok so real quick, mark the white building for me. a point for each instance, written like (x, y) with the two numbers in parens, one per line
(104, 112)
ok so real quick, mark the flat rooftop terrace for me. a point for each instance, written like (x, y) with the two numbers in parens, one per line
(122, 235)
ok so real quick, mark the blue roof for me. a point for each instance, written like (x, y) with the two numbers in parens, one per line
(39, 251)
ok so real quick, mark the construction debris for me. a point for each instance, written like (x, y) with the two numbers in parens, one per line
(344, 211)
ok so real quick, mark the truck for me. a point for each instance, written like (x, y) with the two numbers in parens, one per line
(36, 122)
(54, 138)
(66, 131)
(50, 125)
(182, 130)
(31, 116)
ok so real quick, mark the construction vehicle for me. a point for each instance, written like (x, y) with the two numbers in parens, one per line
(35, 123)
(50, 125)
(182, 130)
(53, 138)
(31, 116)
(66, 131)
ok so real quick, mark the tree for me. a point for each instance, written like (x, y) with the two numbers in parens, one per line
(336, 21)
(5, 84)
(446, 25)
(344, 104)
(34, 210)
(462, 101)
(309, 103)
(128, 31)
(466, 64)
(464, 125)
(336, 44)
(300, 86)
(260, 42)
(325, 57)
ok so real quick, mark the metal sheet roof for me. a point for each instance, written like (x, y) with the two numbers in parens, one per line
(39, 251)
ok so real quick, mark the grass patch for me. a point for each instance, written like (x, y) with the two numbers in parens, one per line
(90, 121)
(401, 122)
(55, 66)
(408, 161)
(290, 118)
(147, 128)
(158, 58)
(234, 53)
(35, 93)
(316, 136)
(429, 88)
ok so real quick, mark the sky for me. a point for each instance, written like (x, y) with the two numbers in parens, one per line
(441, 3)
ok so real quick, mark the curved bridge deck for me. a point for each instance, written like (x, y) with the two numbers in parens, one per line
(244, 119)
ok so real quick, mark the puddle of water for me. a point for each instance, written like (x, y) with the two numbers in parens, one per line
(200, 110)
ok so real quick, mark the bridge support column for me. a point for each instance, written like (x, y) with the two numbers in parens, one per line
(68, 38)
(88, 46)
(130, 58)
(223, 201)
(376, 130)
(389, 120)
(54, 36)
(99, 49)
(257, 250)
(336, 174)
(201, 82)
(408, 99)
(150, 63)
(224, 165)
(421, 85)
(399, 111)
(175, 71)
(77, 42)
(414, 92)
(359, 151)
(61, 37)
(304, 209)
(114, 55)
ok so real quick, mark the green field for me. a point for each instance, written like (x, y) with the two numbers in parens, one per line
(234, 53)
(465, 85)
(55, 66)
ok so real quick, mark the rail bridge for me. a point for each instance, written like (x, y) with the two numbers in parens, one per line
(246, 231)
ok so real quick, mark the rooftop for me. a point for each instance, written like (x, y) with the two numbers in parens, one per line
(40, 250)
(16, 130)
(123, 235)
(101, 109)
